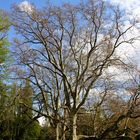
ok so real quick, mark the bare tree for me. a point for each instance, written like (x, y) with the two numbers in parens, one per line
(66, 50)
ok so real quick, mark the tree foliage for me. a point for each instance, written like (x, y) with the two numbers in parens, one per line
(4, 26)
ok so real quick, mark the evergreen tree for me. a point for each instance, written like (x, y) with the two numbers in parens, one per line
(26, 127)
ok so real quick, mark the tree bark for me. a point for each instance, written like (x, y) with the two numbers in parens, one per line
(57, 131)
(66, 116)
(73, 127)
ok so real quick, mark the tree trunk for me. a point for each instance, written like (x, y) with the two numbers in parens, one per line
(57, 131)
(73, 127)
(64, 133)
(65, 124)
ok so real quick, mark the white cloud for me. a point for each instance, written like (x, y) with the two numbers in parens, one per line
(132, 8)
(26, 6)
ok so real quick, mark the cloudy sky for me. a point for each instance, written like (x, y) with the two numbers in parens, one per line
(131, 6)
(128, 4)
(6, 4)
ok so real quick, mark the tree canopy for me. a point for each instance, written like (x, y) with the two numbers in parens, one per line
(4, 26)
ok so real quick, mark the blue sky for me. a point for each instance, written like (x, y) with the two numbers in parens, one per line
(131, 6)
(6, 4)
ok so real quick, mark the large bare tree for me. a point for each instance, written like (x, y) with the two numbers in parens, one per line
(66, 50)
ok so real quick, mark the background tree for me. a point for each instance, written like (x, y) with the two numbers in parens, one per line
(25, 125)
(5, 120)
(4, 26)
